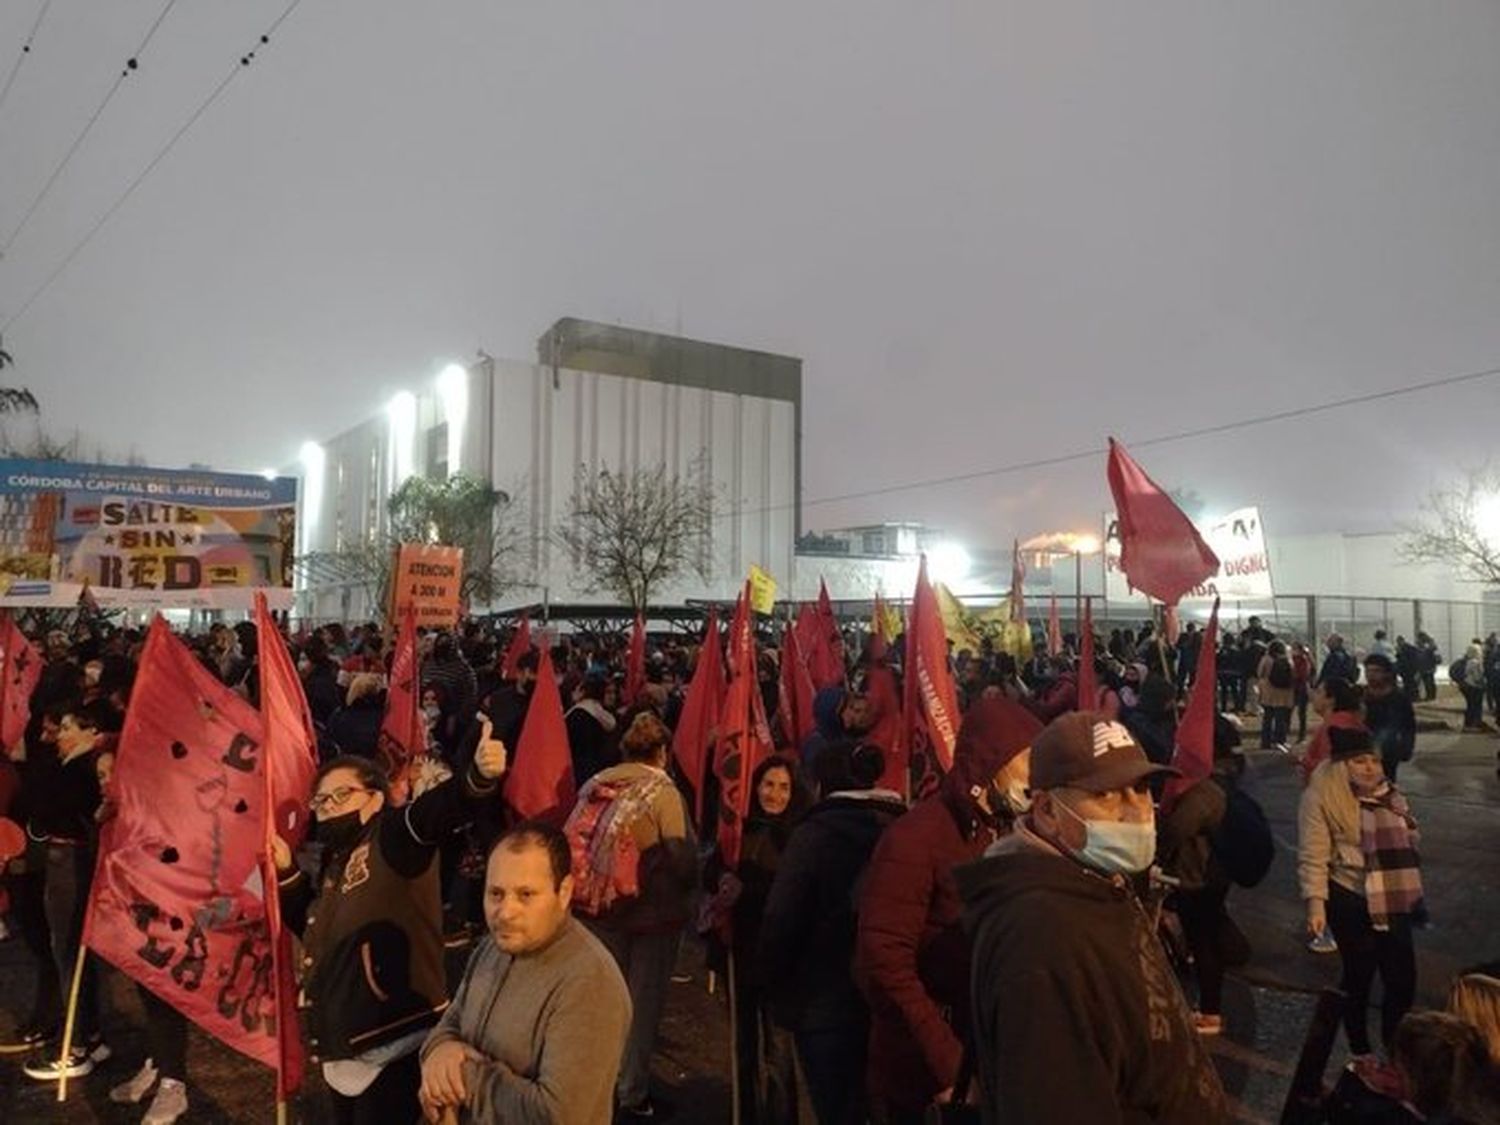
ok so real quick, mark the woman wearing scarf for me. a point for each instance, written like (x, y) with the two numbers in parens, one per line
(764, 1052)
(1359, 873)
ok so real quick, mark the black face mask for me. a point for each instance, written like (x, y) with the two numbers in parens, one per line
(340, 833)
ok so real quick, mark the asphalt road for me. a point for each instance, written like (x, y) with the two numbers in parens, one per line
(1454, 791)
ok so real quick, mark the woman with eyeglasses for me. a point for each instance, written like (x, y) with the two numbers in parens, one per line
(371, 926)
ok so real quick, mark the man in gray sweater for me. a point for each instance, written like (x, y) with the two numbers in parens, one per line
(536, 1031)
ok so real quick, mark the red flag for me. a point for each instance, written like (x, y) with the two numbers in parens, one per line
(1054, 629)
(739, 642)
(540, 784)
(886, 728)
(635, 663)
(795, 693)
(403, 727)
(744, 742)
(931, 704)
(1088, 682)
(1017, 583)
(1161, 552)
(700, 711)
(1194, 754)
(179, 900)
(20, 669)
(825, 660)
(520, 645)
(291, 766)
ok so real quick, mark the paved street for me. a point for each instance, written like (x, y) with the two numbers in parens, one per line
(1454, 791)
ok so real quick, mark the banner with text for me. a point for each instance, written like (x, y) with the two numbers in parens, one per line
(1244, 563)
(143, 537)
(429, 579)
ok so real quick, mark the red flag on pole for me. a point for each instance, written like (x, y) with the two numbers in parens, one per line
(635, 663)
(744, 742)
(794, 693)
(825, 661)
(1088, 682)
(403, 728)
(1017, 583)
(291, 766)
(930, 709)
(179, 900)
(520, 645)
(540, 784)
(1054, 629)
(1161, 552)
(886, 730)
(700, 712)
(20, 669)
(1194, 754)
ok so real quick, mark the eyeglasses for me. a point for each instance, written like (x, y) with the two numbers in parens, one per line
(335, 798)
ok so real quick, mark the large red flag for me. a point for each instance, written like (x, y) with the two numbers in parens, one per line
(700, 712)
(1161, 552)
(520, 645)
(179, 900)
(291, 768)
(744, 742)
(1088, 679)
(1194, 754)
(886, 730)
(794, 709)
(930, 709)
(540, 784)
(635, 664)
(403, 728)
(20, 669)
(1017, 583)
(825, 661)
(1054, 629)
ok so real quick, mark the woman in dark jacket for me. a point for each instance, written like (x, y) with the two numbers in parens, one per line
(912, 956)
(355, 727)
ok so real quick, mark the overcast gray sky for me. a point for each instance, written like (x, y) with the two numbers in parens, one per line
(994, 231)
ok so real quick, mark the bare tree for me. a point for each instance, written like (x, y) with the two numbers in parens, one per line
(1460, 528)
(631, 531)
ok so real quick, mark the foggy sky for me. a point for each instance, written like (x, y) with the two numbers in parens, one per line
(994, 231)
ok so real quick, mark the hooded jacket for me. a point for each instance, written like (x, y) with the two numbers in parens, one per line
(1077, 1014)
(807, 933)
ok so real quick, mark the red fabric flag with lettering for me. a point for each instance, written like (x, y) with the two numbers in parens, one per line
(744, 740)
(403, 727)
(1054, 629)
(930, 708)
(1194, 753)
(179, 893)
(700, 712)
(20, 669)
(520, 645)
(540, 784)
(1161, 552)
(635, 663)
(1017, 583)
(794, 711)
(1088, 677)
(291, 766)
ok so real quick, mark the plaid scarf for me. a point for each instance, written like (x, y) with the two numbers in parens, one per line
(1388, 838)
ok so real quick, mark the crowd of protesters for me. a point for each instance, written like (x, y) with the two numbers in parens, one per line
(999, 943)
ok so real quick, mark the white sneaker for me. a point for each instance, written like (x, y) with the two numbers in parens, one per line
(169, 1104)
(133, 1090)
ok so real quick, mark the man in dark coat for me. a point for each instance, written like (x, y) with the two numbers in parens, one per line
(807, 934)
(1389, 714)
(1077, 1014)
(912, 956)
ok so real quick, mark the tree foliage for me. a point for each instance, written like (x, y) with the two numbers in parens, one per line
(1460, 527)
(632, 531)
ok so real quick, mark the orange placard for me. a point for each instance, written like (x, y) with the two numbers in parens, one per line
(428, 579)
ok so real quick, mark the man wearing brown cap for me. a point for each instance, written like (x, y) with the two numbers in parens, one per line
(1077, 1015)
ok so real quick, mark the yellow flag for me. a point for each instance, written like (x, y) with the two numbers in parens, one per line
(762, 590)
(889, 617)
(956, 622)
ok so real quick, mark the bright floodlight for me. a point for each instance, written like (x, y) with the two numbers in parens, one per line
(1085, 544)
(1487, 517)
(313, 462)
(402, 413)
(949, 562)
(453, 389)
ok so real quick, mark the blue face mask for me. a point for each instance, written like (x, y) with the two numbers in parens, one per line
(1116, 847)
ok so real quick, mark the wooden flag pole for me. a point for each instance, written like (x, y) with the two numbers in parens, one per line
(280, 1111)
(70, 1020)
(734, 1044)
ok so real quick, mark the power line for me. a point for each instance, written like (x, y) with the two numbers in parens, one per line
(237, 69)
(1143, 443)
(25, 52)
(131, 64)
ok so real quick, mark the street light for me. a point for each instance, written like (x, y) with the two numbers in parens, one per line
(949, 562)
(1082, 543)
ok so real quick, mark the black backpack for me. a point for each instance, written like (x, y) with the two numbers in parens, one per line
(1280, 674)
(1242, 842)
